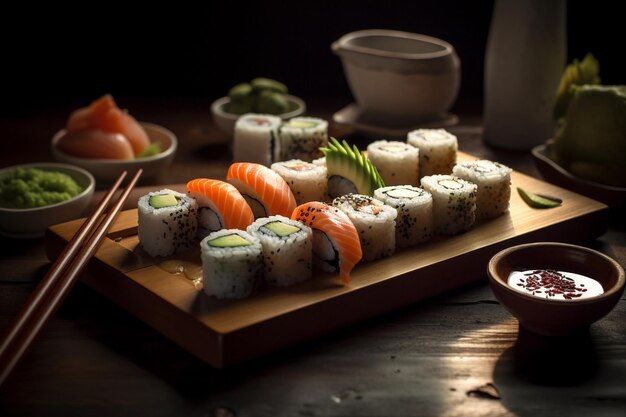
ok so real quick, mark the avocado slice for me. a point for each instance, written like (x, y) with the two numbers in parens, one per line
(163, 200)
(538, 201)
(402, 193)
(301, 124)
(281, 229)
(351, 164)
(228, 241)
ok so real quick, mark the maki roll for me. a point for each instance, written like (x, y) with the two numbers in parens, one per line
(287, 249)
(349, 171)
(301, 138)
(454, 203)
(494, 186)
(167, 222)
(307, 181)
(397, 162)
(437, 150)
(375, 222)
(336, 244)
(414, 223)
(255, 138)
(265, 191)
(220, 206)
(231, 263)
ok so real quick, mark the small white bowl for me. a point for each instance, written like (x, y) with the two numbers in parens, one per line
(32, 223)
(399, 77)
(225, 121)
(106, 171)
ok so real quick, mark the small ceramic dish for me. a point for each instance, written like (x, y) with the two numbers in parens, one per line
(399, 78)
(30, 223)
(549, 316)
(106, 171)
(614, 197)
(225, 121)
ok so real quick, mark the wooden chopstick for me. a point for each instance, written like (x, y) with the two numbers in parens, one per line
(57, 283)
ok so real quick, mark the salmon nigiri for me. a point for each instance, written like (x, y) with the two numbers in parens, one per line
(103, 114)
(336, 244)
(266, 192)
(220, 206)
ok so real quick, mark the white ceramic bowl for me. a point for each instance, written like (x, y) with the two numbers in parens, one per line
(399, 77)
(33, 222)
(106, 171)
(225, 121)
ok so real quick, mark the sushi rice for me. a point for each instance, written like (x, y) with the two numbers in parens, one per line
(374, 221)
(301, 138)
(397, 162)
(255, 138)
(437, 150)
(494, 186)
(414, 223)
(287, 248)
(231, 272)
(167, 230)
(307, 181)
(454, 203)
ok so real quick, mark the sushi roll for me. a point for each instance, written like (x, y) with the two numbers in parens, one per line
(437, 150)
(220, 206)
(231, 263)
(255, 138)
(301, 138)
(454, 203)
(336, 244)
(494, 186)
(265, 191)
(397, 162)
(167, 222)
(307, 181)
(287, 249)
(375, 222)
(349, 170)
(414, 223)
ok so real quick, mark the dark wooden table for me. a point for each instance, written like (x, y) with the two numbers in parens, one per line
(460, 354)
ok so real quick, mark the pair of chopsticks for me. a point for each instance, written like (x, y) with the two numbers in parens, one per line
(60, 278)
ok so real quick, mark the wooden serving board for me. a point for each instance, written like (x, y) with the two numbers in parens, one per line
(223, 333)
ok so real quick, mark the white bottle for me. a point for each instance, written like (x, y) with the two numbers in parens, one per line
(525, 58)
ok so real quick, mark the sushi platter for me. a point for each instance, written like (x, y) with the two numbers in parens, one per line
(226, 332)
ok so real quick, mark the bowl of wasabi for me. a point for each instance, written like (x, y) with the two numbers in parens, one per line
(36, 196)
(261, 95)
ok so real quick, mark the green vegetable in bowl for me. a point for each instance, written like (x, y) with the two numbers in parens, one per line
(23, 188)
(591, 142)
(576, 73)
(261, 95)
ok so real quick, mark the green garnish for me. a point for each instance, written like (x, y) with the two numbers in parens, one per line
(538, 201)
(152, 149)
(261, 95)
(577, 73)
(352, 164)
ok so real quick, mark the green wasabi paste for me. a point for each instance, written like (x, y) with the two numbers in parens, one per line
(32, 187)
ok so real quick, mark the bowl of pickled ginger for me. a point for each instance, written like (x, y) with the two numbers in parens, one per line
(106, 140)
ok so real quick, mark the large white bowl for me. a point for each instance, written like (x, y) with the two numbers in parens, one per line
(106, 171)
(399, 77)
(225, 121)
(33, 222)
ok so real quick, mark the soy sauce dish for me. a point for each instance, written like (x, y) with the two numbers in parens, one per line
(555, 289)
